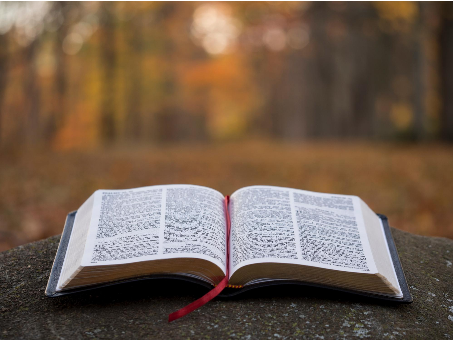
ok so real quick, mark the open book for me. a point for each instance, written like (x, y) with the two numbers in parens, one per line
(260, 235)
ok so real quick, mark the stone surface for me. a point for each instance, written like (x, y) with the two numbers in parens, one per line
(140, 310)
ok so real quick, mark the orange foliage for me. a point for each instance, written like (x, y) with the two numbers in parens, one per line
(227, 86)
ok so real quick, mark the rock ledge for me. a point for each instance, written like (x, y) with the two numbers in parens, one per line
(141, 310)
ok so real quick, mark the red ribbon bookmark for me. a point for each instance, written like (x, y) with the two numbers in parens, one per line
(218, 289)
(200, 302)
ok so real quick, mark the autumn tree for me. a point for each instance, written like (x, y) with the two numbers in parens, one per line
(135, 43)
(4, 58)
(446, 61)
(108, 62)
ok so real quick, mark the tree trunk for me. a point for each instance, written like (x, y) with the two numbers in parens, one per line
(60, 86)
(109, 62)
(173, 123)
(419, 80)
(446, 67)
(133, 116)
(4, 56)
(31, 91)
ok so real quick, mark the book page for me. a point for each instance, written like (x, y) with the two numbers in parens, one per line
(158, 222)
(273, 224)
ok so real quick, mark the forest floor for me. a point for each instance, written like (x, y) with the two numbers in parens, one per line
(411, 184)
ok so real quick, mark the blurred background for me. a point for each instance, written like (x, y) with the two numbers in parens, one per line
(350, 98)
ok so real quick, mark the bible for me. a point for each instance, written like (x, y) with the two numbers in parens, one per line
(258, 236)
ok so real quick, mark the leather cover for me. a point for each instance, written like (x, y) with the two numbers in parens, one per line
(61, 252)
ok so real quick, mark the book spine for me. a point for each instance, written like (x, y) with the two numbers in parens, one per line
(218, 288)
